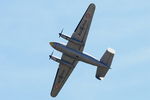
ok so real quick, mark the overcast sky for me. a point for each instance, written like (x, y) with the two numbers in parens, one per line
(27, 27)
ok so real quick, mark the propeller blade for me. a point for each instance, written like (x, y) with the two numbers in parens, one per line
(51, 55)
(61, 32)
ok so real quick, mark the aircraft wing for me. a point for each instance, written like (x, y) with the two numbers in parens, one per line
(80, 34)
(81, 31)
(62, 74)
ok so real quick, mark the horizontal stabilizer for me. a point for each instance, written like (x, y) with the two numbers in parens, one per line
(106, 60)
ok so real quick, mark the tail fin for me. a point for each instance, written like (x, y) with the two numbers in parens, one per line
(106, 60)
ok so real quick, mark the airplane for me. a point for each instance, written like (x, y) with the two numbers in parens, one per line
(72, 52)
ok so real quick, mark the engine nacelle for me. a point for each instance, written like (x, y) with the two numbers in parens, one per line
(70, 39)
(60, 61)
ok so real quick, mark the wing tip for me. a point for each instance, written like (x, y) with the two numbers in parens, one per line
(53, 94)
(92, 4)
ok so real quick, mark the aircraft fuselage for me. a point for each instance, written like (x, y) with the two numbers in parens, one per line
(76, 54)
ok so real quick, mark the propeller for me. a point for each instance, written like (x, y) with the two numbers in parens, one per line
(51, 55)
(61, 32)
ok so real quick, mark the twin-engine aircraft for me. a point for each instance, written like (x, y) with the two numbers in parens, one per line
(73, 52)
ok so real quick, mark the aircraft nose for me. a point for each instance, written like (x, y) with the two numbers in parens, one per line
(51, 43)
